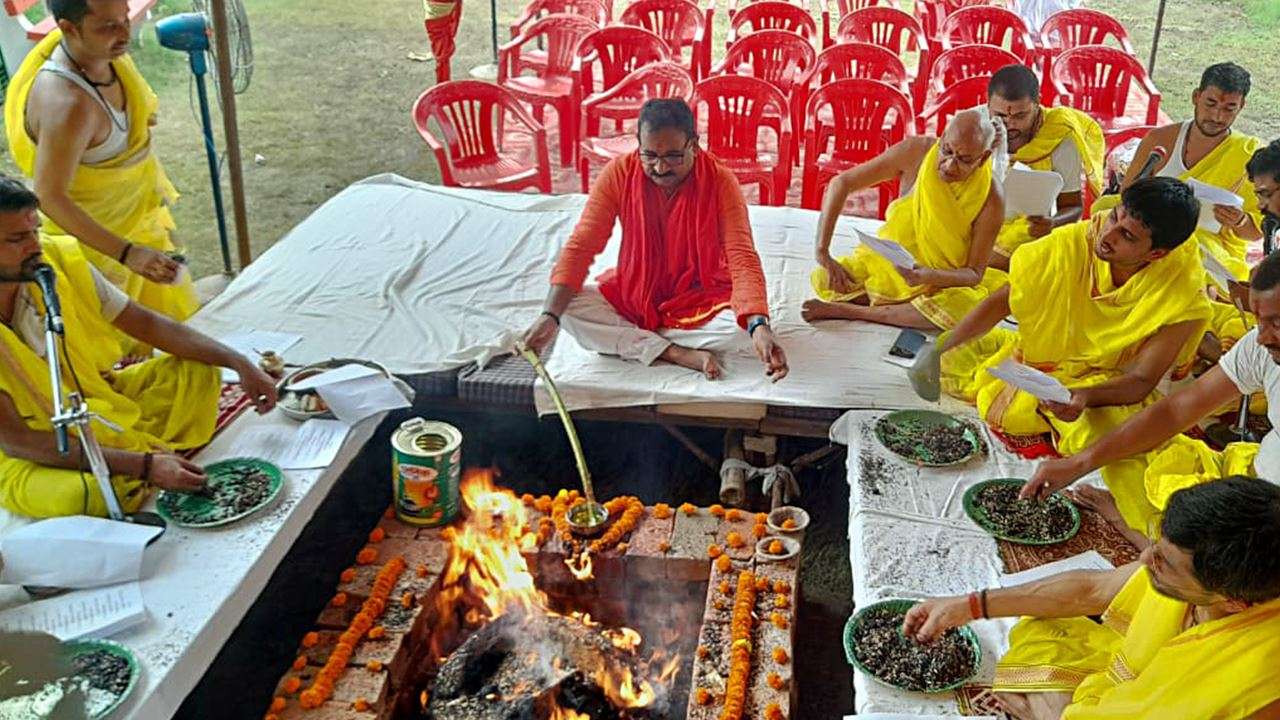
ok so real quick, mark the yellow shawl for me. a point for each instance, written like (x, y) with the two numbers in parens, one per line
(24, 376)
(1224, 167)
(934, 223)
(1069, 312)
(128, 195)
(1224, 668)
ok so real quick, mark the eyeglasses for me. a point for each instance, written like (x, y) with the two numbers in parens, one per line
(1264, 193)
(949, 154)
(671, 159)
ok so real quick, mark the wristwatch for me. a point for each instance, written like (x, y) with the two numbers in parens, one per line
(756, 322)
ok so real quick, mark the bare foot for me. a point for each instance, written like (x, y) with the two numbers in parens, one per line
(703, 361)
(1104, 503)
(815, 309)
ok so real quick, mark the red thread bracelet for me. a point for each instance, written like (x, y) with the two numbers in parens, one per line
(975, 609)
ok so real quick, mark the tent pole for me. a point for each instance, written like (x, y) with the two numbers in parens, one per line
(230, 129)
(1155, 40)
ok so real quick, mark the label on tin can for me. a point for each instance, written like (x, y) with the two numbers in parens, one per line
(426, 469)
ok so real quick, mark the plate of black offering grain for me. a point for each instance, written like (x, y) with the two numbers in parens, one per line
(995, 506)
(875, 645)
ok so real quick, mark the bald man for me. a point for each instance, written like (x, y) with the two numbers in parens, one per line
(948, 217)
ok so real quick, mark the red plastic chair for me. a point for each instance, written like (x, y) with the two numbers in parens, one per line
(469, 114)
(961, 96)
(1097, 79)
(866, 117)
(965, 61)
(987, 25)
(1113, 140)
(782, 59)
(933, 13)
(659, 80)
(737, 5)
(536, 58)
(554, 84)
(842, 8)
(771, 15)
(893, 30)
(851, 60)
(737, 109)
(681, 24)
(604, 58)
(1073, 28)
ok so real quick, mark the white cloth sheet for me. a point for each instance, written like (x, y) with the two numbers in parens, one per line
(910, 538)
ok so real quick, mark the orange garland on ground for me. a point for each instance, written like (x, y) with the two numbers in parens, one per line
(689, 509)
(632, 512)
(321, 688)
(744, 602)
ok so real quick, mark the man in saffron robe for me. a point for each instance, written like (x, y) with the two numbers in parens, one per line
(1060, 139)
(78, 116)
(1190, 631)
(947, 219)
(443, 19)
(162, 405)
(688, 281)
(1107, 306)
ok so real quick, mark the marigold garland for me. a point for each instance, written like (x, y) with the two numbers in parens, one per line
(780, 656)
(527, 499)
(733, 515)
(662, 511)
(744, 602)
(321, 688)
(632, 512)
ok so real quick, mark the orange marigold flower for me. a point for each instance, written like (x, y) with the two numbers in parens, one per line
(735, 540)
(278, 704)
(664, 547)
(373, 666)
(422, 571)
(299, 662)
(780, 656)
(377, 535)
(782, 602)
(662, 511)
(775, 681)
(717, 510)
(339, 600)
(406, 600)
(379, 631)
(271, 716)
(779, 620)
(724, 564)
(367, 556)
(703, 696)
(309, 699)
(360, 704)
(776, 548)
(774, 712)
(726, 587)
(292, 684)
(689, 509)
(762, 518)
(714, 551)
(733, 515)
(762, 584)
(390, 512)
(311, 639)
(703, 652)
(789, 524)
(759, 531)
(348, 575)
(781, 586)
(718, 604)
(527, 499)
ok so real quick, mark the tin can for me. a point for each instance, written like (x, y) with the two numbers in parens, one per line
(426, 467)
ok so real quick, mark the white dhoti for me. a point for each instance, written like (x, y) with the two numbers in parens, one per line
(598, 327)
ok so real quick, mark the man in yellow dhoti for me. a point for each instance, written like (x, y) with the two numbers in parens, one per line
(947, 219)
(1191, 631)
(162, 405)
(1107, 306)
(1148, 452)
(1062, 140)
(78, 116)
(1207, 149)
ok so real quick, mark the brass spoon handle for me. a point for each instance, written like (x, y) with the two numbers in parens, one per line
(569, 429)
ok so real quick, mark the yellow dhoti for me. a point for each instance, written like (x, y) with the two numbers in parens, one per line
(129, 195)
(935, 224)
(1059, 125)
(162, 404)
(1140, 664)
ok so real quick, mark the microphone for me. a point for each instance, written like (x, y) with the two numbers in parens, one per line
(44, 278)
(1149, 166)
(1270, 232)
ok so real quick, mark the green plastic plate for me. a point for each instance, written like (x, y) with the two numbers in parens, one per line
(80, 647)
(903, 606)
(980, 517)
(171, 505)
(921, 420)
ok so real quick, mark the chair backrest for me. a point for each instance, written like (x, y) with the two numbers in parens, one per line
(772, 15)
(680, 23)
(866, 117)
(657, 80)
(963, 95)
(1116, 138)
(844, 7)
(778, 57)
(1082, 26)
(466, 112)
(890, 28)
(987, 25)
(966, 61)
(617, 50)
(1095, 79)
(737, 107)
(859, 60)
(561, 34)
(932, 13)
(735, 6)
(597, 10)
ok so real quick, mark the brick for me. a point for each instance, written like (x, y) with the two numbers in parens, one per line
(691, 535)
(360, 683)
(760, 695)
(337, 618)
(396, 528)
(328, 711)
(361, 585)
(318, 654)
(742, 527)
(718, 607)
(645, 558)
(431, 552)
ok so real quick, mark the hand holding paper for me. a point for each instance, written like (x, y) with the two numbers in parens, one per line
(1031, 192)
(1040, 385)
(1209, 196)
(889, 250)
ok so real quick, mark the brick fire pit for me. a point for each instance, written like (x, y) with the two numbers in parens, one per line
(660, 580)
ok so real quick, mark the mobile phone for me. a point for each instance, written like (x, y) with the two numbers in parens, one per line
(908, 344)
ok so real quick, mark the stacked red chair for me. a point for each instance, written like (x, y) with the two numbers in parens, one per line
(771, 15)
(681, 24)
(736, 111)
(782, 59)
(604, 58)
(1098, 79)
(1073, 28)
(536, 58)
(988, 25)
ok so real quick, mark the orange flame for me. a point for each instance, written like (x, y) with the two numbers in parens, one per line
(560, 713)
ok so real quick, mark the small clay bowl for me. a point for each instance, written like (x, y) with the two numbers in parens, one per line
(784, 513)
(790, 548)
(579, 519)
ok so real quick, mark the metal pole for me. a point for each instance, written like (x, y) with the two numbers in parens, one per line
(230, 129)
(211, 153)
(493, 26)
(1155, 40)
